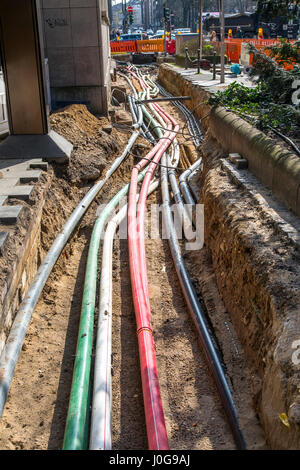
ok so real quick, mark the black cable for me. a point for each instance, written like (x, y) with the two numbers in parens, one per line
(286, 139)
(128, 127)
(188, 114)
(158, 164)
(191, 135)
(198, 316)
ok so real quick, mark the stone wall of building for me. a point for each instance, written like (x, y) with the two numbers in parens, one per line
(76, 36)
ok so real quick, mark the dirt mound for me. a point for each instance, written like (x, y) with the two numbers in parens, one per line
(75, 120)
(93, 148)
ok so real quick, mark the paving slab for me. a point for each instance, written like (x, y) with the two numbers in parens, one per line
(17, 192)
(6, 184)
(3, 200)
(10, 214)
(23, 164)
(25, 176)
(51, 147)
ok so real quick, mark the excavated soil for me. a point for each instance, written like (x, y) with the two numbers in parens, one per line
(257, 270)
(36, 409)
(92, 147)
(63, 186)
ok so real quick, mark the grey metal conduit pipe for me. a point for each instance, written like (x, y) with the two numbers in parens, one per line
(186, 215)
(130, 84)
(183, 182)
(193, 192)
(145, 130)
(198, 316)
(134, 113)
(133, 107)
(189, 178)
(193, 123)
(14, 343)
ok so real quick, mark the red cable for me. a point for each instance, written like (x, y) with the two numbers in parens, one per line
(156, 429)
(143, 197)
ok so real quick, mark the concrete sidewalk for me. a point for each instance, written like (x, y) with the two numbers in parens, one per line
(17, 178)
(205, 79)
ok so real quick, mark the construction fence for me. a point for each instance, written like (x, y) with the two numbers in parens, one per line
(143, 45)
(233, 47)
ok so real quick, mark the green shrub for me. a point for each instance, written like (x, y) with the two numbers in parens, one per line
(269, 103)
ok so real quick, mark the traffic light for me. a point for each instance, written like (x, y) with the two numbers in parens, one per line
(166, 14)
(130, 14)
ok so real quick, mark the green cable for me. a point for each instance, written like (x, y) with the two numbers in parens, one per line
(76, 429)
(77, 424)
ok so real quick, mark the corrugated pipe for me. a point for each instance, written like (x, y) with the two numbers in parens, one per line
(76, 431)
(100, 433)
(156, 430)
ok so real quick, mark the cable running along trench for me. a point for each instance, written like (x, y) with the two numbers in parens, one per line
(160, 129)
(156, 430)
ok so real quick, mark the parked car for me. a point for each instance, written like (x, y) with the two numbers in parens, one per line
(183, 30)
(132, 37)
(157, 36)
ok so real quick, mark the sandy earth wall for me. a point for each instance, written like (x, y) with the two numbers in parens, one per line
(256, 266)
(21, 271)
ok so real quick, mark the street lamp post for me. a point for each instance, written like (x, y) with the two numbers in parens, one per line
(125, 16)
(222, 30)
(200, 27)
(199, 52)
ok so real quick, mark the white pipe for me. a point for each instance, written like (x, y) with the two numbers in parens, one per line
(191, 176)
(187, 173)
(183, 182)
(100, 434)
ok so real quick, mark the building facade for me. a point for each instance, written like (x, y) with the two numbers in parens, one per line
(76, 38)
